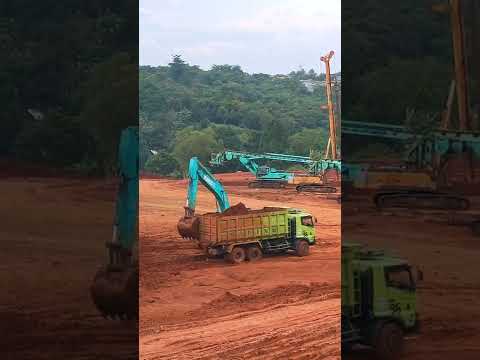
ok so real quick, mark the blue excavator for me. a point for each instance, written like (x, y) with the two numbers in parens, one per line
(416, 182)
(438, 160)
(189, 225)
(114, 290)
(269, 177)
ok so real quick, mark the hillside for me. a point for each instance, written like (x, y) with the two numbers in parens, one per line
(186, 111)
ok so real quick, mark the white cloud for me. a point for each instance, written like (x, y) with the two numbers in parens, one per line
(271, 36)
(289, 16)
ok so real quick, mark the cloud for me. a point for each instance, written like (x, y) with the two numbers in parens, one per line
(289, 16)
(270, 36)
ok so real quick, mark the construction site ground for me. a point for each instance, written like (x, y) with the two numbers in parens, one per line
(53, 237)
(447, 255)
(194, 307)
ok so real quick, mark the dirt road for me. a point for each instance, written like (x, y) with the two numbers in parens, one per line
(448, 256)
(192, 307)
(52, 242)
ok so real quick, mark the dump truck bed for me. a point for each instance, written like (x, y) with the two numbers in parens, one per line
(253, 225)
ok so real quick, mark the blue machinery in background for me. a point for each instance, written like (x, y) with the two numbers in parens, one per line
(423, 151)
(266, 174)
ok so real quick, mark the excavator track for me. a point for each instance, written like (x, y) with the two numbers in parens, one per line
(267, 184)
(420, 200)
(316, 188)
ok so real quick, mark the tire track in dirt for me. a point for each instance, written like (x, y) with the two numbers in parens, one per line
(192, 307)
(307, 330)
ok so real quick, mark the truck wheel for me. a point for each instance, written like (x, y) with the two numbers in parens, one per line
(302, 248)
(254, 253)
(236, 256)
(388, 342)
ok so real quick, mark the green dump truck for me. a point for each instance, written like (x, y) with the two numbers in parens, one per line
(378, 301)
(250, 234)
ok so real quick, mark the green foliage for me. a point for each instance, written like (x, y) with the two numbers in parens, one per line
(227, 108)
(400, 58)
(68, 61)
(56, 139)
(190, 143)
(161, 163)
(307, 140)
(114, 106)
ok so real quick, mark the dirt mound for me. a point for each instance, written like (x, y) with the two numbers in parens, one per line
(239, 209)
(286, 306)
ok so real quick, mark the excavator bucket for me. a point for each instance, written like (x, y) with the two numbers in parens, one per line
(114, 292)
(189, 227)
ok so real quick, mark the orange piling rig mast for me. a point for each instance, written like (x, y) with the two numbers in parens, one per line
(464, 27)
(331, 151)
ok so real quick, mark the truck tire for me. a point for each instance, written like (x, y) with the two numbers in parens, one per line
(302, 248)
(236, 256)
(388, 342)
(254, 253)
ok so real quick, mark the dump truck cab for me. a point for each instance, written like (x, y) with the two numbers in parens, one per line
(378, 300)
(301, 225)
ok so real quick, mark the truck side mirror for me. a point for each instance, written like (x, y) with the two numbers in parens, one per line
(315, 219)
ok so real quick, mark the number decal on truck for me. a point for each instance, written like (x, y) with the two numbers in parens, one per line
(395, 307)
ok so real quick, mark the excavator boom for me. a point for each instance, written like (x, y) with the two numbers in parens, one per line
(188, 226)
(114, 289)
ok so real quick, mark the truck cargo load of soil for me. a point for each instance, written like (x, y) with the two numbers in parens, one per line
(239, 209)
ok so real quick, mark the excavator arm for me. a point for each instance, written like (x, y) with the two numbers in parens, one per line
(189, 225)
(315, 167)
(249, 161)
(114, 289)
(199, 173)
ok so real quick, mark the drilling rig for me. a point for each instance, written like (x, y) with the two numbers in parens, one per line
(331, 151)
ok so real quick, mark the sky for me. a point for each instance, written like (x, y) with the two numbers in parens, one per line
(262, 36)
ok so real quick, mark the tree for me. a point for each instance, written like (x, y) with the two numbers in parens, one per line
(178, 68)
(306, 140)
(239, 111)
(162, 163)
(113, 108)
(198, 143)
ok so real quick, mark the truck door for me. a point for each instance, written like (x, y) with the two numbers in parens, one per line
(401, 293)
(293, 228)
(366, 280)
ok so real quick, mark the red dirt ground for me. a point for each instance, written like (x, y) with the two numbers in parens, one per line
(447, 255)
(52, 242)
(194, 307)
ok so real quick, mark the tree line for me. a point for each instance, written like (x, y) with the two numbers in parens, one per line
(186, 111)
(69, 80)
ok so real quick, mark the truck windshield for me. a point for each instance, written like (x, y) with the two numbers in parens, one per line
(399, 277)
(307, 221)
